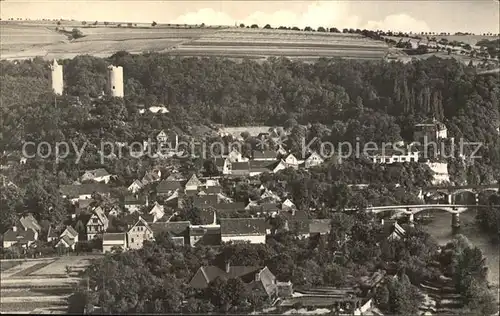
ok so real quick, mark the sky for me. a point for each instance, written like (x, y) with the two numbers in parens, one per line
(476, 16)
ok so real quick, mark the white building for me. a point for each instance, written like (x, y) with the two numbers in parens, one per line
(56, 78)
(440, 170)
(115, 81)
(389, 156)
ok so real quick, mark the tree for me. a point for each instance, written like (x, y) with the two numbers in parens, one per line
(154, 24)
(254, 26)
(242, 25)
(58, 22)
(84, 23)
(308, 29)
(267, 27)
(321, 29)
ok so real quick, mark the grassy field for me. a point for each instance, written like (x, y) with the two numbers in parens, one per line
(30, 270)
(5, 265)
(20, 40)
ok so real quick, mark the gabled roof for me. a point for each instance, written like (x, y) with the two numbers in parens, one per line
(101, 172)
(193, 181)
(137, 183)
(243, 226)
(21, 235)
(71, 231)
(141, 222)
(29, 222)
(73, 190)
(98, 211)
(67, 240)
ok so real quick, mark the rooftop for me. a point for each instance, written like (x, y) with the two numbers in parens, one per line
(243, 226)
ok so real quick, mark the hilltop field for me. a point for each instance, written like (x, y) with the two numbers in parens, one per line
(26, 39)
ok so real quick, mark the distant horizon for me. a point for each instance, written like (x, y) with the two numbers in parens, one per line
(478, 17)
(90, 23)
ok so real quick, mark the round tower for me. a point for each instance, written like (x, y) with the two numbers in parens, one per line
(115, 81)
(56, 78)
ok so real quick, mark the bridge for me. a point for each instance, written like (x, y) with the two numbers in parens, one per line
(451, 191)
(411, 210)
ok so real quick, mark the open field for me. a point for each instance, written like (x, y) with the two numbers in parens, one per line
(5, 265)
(39, 284)
(20, 40)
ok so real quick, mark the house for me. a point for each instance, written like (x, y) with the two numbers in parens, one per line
(313, 159)
(157, 211)
(114, 211)
(133, 203)
(76, 192)
(157, 109)
(179, 231)
(193, 183)
(51, 235)
(113, 240)
(206, 235)
(97, 223)
(19, 236)
(151, 177)
(139, 233)
(291, 161)
(161, 137)
(69, 234)
(389, 155)
(135, 187)
(430, 131)
(265, 155)
(223, 165)
(66, 242)
(212, 183)
(235, 156)
(171, 140)
(288, 205)
(270, 196)
(240, 169)
(260, 281)
(281, 151)
(97, 175)
(261, 166)
(251, 230)
(168, 187)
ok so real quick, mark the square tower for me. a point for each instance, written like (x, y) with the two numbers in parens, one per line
(56, 78)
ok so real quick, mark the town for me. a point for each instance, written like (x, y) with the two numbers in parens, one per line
(164, 184)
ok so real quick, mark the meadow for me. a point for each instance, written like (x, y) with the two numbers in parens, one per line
(20, 41)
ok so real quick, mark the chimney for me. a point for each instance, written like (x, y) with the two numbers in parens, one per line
(14, 228)
(147, 200)
(228, 266)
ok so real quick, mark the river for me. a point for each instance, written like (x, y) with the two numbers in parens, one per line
(440, 229)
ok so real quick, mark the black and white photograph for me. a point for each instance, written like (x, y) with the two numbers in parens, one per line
(250, 157)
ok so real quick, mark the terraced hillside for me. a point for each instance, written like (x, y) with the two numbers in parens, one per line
(21, 40)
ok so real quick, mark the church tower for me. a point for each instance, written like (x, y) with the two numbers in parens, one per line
(56, 78)
(115, 81)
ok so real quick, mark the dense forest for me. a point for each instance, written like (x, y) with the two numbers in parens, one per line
(334, 100)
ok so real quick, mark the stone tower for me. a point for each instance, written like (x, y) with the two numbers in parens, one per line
(115, 81)
(56, 78)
